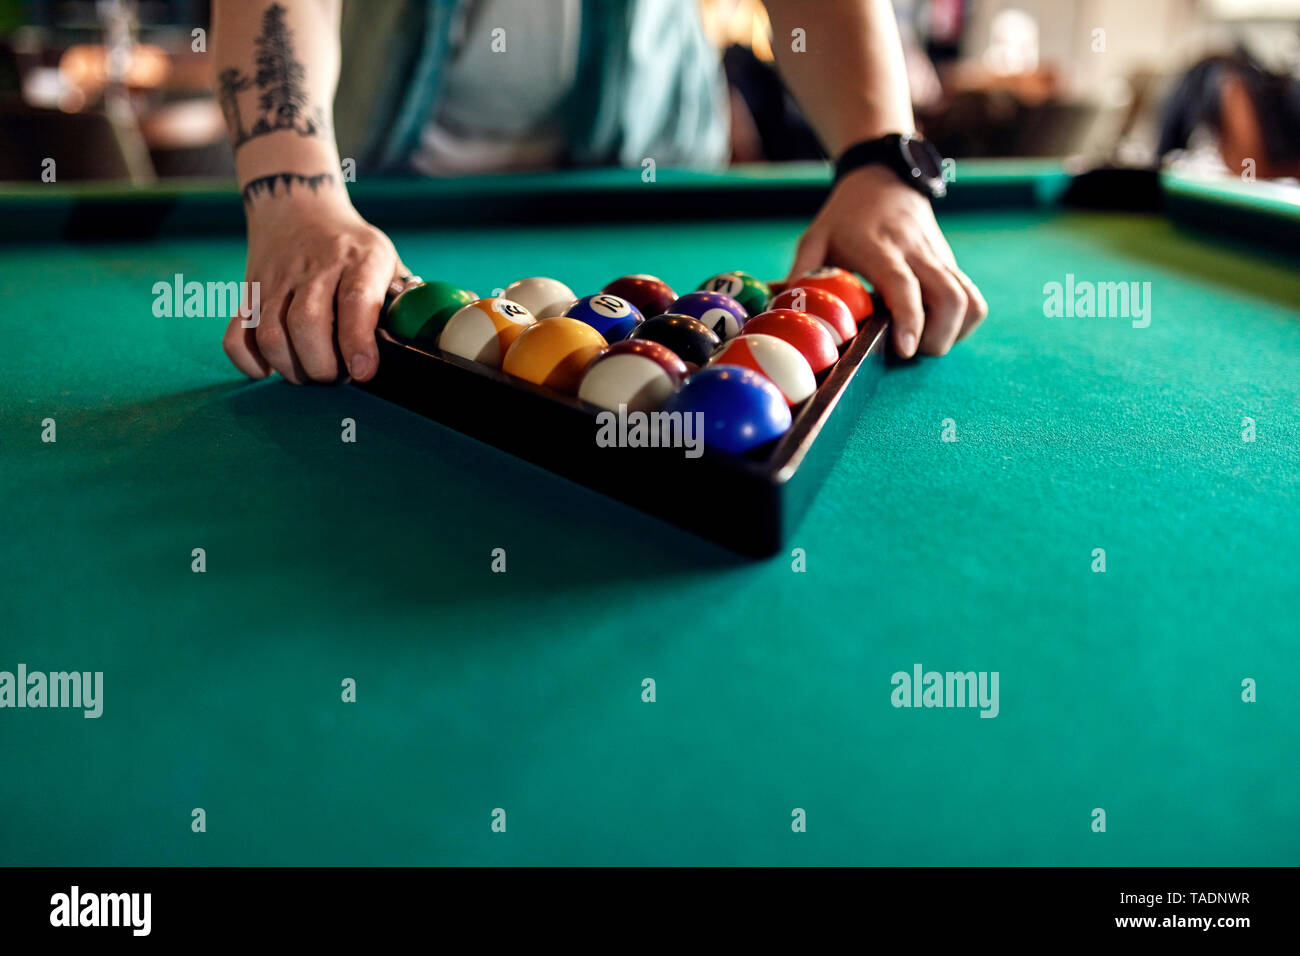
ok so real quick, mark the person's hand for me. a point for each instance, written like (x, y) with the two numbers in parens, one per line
(315, 259)
(874, 224)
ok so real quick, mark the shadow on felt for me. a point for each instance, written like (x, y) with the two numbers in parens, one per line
(417, 508)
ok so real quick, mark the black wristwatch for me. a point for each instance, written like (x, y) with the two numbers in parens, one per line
(912, 159)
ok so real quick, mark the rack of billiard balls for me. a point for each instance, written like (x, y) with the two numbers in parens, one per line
(744, 353)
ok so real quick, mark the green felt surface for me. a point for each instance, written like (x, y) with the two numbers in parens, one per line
(522, 691)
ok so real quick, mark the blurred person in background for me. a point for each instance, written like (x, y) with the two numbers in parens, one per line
(448, 87)
(1234, 107)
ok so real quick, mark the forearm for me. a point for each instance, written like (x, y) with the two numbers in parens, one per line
(277, 66)
(851, 82)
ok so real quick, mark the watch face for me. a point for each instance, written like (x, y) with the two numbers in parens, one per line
(925, 163)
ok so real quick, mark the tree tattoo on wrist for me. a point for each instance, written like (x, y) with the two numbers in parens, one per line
(282, 102)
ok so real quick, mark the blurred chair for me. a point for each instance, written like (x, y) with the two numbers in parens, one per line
(82, 145)
(977, 123)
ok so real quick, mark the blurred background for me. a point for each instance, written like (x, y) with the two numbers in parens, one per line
(122, 89)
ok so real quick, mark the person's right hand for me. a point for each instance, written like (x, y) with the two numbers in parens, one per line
(315, 259)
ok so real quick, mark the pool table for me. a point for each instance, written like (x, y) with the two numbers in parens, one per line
(962, 528)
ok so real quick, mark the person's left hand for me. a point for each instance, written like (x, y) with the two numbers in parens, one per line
(876, 225)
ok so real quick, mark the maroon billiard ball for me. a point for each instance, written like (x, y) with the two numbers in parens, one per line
(652, 296)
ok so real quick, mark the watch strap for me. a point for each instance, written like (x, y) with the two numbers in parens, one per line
(883, 149)
(888, 151)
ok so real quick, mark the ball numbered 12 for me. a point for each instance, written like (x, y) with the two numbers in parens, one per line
(484, 329)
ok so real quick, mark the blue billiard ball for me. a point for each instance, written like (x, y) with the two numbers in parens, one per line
(742, 410)
(609, 315)
(723, 314)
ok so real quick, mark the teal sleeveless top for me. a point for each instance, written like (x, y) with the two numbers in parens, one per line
(649, 84)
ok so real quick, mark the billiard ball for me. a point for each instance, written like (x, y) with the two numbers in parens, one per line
(554, 352)
(420, 311)
(611, 316)
(484, 329)
(545, 298)
(637, 373)
(826, 307)
(751, 293)
(723, 314)
(686, 336)
(742, 410)
(651, 295)
(842, 283)
(775, 359)
(802, 331)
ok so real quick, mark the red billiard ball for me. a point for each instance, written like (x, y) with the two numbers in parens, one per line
(799, 329)
(844, 284)
(826, 307)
